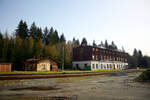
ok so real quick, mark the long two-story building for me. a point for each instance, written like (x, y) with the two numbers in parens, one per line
(98, 58)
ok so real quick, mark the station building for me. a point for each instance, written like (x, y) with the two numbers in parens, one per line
(41, 64)
(98, 58)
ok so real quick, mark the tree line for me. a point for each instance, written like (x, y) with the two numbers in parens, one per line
(35, 42)
(137, 59)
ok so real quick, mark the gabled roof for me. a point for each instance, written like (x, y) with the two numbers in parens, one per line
(42, 58)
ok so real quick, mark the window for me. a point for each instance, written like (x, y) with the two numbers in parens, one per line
(77, 65)
(96, 66)
(93, 66)
(85, 65)
(93, 49)
(101, 66)
(93, 57)
(101, 57)
(96, 57)
(107, 66)
(97, 49)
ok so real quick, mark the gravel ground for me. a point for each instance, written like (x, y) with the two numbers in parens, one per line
(104, 87)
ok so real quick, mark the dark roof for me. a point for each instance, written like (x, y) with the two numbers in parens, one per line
(42, 58)
(5, 63)
(101, 48)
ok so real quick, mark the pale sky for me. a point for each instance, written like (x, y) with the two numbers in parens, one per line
(126, 22)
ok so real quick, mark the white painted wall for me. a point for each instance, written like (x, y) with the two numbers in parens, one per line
(43, 66)
(81, 64)
(101, 65)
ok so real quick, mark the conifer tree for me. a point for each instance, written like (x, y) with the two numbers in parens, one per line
(106, 44)
(84, 42)
(45, 35)
(62, 39)
(94, 44)
(22, 30)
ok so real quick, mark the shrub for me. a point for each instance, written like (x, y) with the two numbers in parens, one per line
(144, 77)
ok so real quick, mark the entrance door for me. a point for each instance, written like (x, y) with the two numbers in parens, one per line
(51, 67)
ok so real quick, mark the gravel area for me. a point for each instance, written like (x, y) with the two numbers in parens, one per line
(104, 87)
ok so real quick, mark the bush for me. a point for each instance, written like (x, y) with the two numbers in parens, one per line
(144, 77)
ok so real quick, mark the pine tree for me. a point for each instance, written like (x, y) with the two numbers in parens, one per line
(123, 50)
(84, 42)
(54, 39)
(135, 56)
(68, 55)
(106, 44)
(22, 30)
(50, 35)
(30, 47)
(39, 34)
(102, 44)
(94, 44)
(45, 36)
(1, 45)
(139, 58)
(62, 38)
(77, 42)
(33, 31)
(5, 48)
(1, 36)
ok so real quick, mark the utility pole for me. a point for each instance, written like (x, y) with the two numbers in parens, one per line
(63, 57)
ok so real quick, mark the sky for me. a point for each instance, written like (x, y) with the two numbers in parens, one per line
(126, 22)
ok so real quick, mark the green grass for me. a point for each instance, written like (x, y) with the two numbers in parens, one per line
(62, 72)
(51, 72)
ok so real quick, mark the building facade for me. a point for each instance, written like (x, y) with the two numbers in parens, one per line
(5, 67)
(42, 64)
(97, 58)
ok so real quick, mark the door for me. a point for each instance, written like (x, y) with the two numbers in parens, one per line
(51, 67)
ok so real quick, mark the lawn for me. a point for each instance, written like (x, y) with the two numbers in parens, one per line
(65, 71)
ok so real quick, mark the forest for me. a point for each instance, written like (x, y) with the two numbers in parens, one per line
(35, 42)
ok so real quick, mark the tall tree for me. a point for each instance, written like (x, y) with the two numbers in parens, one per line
(139, 59)
(1, 45)
(112, 46)
(5, 47)
(22, 30)
(135, 56)
(94, 44)
(50, 35)
(84, 42)
(68, 55)
(106, 44)
(54, 39)
(102, 44)
(30, 47)
(1, 36)
(62, 38)
(33, 31)
(123, 50)
(45, 36)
